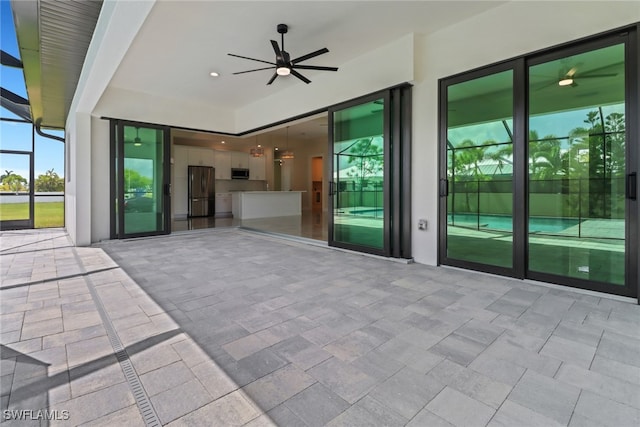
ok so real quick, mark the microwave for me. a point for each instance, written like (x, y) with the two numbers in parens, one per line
(239, 173)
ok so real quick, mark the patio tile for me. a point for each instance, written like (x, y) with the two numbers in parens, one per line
(605, 386)
(511, 414)
(547, 396)
(620, 348)
(245, 346)
(166, 377)
(615, 369)
(594, 410)
(458, 349)
(428, 418)
(343, 379)
(180, 400)
(368, 412)
(273, 389)
(283, 416)
(407, 392)
(317, 405)
(301, 352)
(569, 351)
(459, 409)
(41, 328)
(92, 406)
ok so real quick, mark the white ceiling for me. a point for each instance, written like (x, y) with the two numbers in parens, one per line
(181, 42)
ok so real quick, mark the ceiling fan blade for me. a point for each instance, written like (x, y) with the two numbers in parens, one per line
(257, 69)
(276, 48)
(272, 78)
(251, 59)
(300, 76)
(310, 55)
(313, 67)
(589, 76)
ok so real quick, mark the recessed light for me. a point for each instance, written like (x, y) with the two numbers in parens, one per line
(221, 142)
(214, 74)
(276, 148)
(259, 145)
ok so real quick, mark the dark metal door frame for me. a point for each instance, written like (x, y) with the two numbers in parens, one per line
(629, 36)
(117, 217)
(397, 171)
(23, 224)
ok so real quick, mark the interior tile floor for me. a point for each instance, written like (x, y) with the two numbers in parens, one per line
(309, 225)
(230, 327)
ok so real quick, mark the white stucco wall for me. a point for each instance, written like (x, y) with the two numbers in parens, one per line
(78, 189)
(100, 180)
(511, 30)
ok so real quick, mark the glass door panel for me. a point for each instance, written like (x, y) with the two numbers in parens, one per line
(577, 160)
(16, 201)
(479, 227)
(358, 168)
(142, 181)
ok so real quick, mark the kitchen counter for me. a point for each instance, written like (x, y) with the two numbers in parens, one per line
(266, 204)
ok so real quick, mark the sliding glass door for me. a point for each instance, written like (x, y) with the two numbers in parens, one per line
(479, 171)
(577, 166)
(370, 174)
(140, 188)
(358, 203)
(538, 167)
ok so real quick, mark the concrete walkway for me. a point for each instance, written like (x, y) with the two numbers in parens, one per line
(226, 327)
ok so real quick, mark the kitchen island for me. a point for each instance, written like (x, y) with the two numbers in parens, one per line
(266, 204)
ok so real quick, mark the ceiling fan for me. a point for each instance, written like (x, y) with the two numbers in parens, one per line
(136, 141)
(284, 65)
(571, 77)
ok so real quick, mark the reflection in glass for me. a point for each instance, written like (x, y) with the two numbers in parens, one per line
(480, 170)
(576, 166)
(14, 187)
(358, 203)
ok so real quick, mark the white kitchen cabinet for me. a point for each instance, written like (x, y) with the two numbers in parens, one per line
(179, 197)
(223, 164)
(223, 204)
(201, 157)
(180, 161)
(257, 169)
(239, 160)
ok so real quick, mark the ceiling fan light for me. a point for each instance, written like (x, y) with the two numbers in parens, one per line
(567, 81)
(283, 71)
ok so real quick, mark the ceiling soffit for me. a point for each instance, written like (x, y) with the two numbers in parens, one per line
(53, 38)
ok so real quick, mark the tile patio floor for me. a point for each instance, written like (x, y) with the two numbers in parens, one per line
(227, 327)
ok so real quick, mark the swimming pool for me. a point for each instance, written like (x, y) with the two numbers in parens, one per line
(505, 223)
(376, 212)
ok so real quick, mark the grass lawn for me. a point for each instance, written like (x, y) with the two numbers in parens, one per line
(47, 215)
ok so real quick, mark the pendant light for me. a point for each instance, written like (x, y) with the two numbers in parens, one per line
(287, 154)
(137, 141)
(257, 151)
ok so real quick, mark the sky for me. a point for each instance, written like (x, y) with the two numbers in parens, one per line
(49, 153)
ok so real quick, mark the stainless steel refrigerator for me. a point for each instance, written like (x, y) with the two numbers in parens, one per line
(202, 192)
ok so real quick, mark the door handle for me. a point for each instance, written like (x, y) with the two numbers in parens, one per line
(331, 192)
(167, 189)
(444, 187)
(631, 189)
